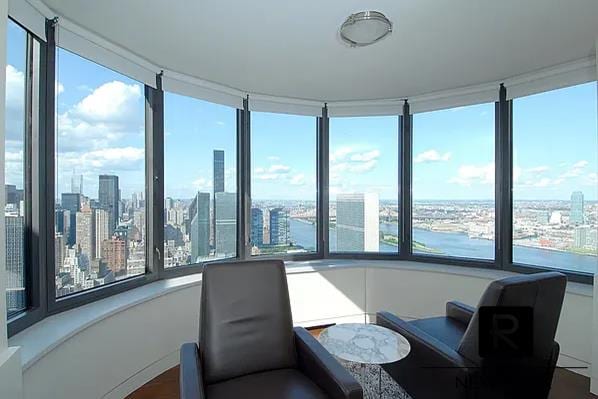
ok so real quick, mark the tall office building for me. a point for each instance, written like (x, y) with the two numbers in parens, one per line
(581, 235)
(77, 184)
(109, 196)
(226, 224)
(279, 226)
(218, 171)
(11, 194)
(200, 227)
(72, 203)
(115, 252)
(576, 216)
(15, 262)
(59, 252)
(102, 230)
(357, 222)
(257, 227)
(85, 235)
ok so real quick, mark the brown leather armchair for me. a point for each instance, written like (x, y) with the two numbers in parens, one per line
(445, 359)
(248, 347)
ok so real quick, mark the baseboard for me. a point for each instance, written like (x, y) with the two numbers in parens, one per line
(143, 376)
(574, 365)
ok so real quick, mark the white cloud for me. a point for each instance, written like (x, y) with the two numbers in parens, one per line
(59, 88)
(340, 153)
(298, 179)
(432, 156)
(538, 169)
(576, 169)
(109, 160)
(202, 184)
(366, 156)
(279, 168)
(273, 172)
(468, 175)
(273, 158)
(15, 103)
(111, 102)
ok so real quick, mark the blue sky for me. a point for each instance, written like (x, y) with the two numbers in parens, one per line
(100, 124)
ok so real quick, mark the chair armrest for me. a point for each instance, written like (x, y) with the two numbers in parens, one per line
(191, 380)
(459, 311)
(323, 369)
(431, 353)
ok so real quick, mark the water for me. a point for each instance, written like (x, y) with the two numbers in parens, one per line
(457, 244)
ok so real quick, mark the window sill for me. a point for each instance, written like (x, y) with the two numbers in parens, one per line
(41, 338)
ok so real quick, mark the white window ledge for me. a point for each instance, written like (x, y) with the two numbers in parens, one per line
(41, 338)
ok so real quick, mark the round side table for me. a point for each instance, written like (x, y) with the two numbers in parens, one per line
(365, 344)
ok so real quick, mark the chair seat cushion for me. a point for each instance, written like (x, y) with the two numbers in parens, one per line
(276, 384)
(446, 330)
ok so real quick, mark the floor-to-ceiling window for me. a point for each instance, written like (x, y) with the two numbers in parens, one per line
(283, 184)
(555, 189)
(200, 181)
(100, 212)
(363, 174)
(453, 182)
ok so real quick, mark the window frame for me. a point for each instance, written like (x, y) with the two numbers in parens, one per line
(39, 187)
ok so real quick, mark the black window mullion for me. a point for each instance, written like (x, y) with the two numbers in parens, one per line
(405, 181)
(503, 181)
(243, 182)
(154, 175)
(323, 178)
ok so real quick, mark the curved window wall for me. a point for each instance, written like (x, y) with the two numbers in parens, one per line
(150, 185)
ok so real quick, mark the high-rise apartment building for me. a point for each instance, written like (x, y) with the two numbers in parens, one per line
(218, 171)
(59, 252)
(200, 227)
(109, 196)
(115, 252)
(357, 222)
(257, 227)
(226, 224)
(15, 262)
(279, 226)
(581, 235)
(577, 204)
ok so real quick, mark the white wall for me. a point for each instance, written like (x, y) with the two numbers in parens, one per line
(111, 358)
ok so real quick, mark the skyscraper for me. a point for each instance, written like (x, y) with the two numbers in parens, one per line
(279, 226)
(72, 203)
(576, 216)
(77, 184)
(580, 236)
(357, 222)
(109, 196)
(226, 224)
(85, 227)
(257, 227)
(59, 252)
(218, 171)
(15, 288)
(102, 230)
(200, 227)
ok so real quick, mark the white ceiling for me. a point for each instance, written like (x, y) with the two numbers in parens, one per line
(292, 48)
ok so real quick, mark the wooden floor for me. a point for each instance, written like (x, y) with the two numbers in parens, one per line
(566, 385)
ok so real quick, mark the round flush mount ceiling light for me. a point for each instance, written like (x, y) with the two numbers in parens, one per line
(365, 28)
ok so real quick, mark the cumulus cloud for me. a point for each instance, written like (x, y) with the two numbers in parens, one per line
(576, 170)
(352, 160)
(298, 179)
(468, 175)
(432, 156)
(108, 160)
(538, 169)
(366, 156)
(15, 103)
(202, 184)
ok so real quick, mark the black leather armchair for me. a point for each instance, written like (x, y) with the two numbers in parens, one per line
(248, 347)
(445, 361)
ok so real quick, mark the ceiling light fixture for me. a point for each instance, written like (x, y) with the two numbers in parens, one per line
(365, 28)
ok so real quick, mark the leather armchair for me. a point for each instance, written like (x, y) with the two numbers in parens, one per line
(445, 361)
(248, 347)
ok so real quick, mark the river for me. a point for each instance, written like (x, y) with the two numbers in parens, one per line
(456, 244)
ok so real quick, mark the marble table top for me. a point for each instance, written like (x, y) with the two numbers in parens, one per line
(364, 343)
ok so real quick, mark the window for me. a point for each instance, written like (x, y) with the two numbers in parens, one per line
(100, 212)
(555, 189)
(200, 183)
(16, 203)
(283, 184)
(363, 174)
(453, 182)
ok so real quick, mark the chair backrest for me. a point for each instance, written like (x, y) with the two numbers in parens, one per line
(543, 292)
(245, 319)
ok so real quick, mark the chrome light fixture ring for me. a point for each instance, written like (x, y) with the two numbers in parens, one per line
(361, 17)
